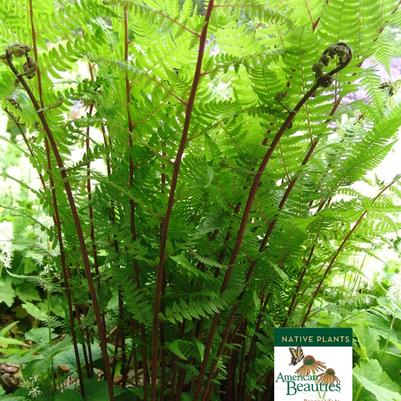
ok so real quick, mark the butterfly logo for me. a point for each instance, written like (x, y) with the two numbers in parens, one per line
(296, 355)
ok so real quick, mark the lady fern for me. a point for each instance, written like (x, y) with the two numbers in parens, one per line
(214, 196)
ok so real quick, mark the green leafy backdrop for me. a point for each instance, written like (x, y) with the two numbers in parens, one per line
(199, 162)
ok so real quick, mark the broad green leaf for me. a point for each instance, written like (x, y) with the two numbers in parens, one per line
(39, 335)
(131, 394)
(27, 292)
(68, 395)
(368, 340)
(7, 293)
(34, 311)
(5, 342)
(97, 390)
(6, 329)
(373, 379)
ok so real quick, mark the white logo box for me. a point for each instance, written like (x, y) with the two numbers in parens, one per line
(313, 364)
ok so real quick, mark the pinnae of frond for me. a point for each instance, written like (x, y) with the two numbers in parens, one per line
(173, 20)
(168, 91)
(171, 200)
(341, 247)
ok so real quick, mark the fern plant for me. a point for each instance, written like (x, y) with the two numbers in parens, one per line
(213, 196)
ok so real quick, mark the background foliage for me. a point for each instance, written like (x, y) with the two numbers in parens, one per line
(146, 248)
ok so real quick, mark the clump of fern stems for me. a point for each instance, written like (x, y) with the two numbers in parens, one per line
(215, 219)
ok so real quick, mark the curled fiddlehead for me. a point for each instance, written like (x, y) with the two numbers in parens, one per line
(13, 102)
(29, 67)
(343, 55)
(20, 50)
